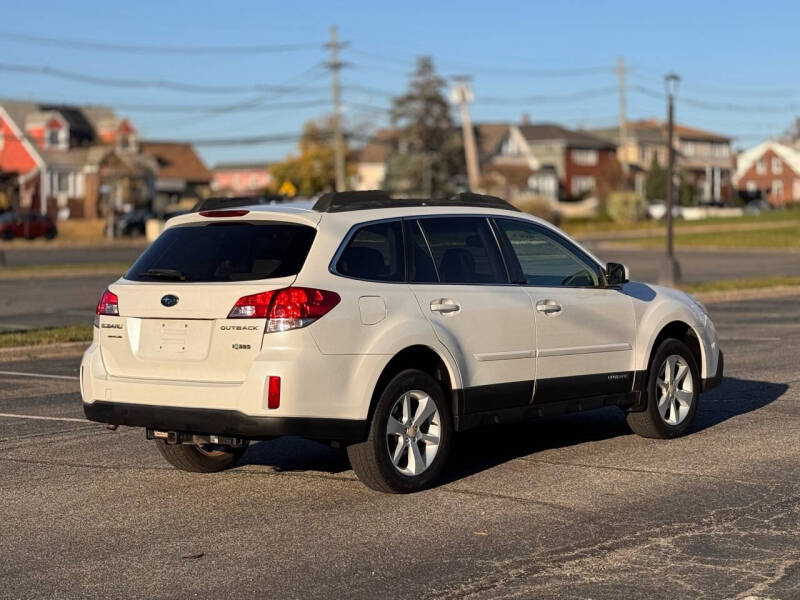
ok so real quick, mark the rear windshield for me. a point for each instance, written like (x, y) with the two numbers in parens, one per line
(219, 251)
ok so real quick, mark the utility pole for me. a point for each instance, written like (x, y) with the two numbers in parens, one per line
(623, 119)
(335, 66)
(462, 95)
(670, 272)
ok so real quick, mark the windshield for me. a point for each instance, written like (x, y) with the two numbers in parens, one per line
(225, 251)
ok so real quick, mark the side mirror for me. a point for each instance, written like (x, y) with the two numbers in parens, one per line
(617, 273)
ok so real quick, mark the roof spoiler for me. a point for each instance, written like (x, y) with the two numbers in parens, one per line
(225, 202)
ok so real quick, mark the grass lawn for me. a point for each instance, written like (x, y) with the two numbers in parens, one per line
(584, 226)
(50, 335)
(785, 238)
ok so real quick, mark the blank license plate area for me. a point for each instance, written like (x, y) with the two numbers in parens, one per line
(175, 339)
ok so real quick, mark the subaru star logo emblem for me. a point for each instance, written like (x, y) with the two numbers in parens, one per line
(169, 300)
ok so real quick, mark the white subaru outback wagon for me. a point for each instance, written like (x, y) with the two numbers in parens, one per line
(385, 326)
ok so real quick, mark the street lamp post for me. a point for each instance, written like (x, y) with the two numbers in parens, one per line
(670, 271)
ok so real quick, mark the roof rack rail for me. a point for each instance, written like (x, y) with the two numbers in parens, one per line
(367, 200)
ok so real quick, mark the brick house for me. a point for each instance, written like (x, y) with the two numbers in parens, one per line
(241, 179)
(180, 174)
(541, 159)
(580, 160)
(705, 156)
(548, 160)
(770, 170)
(83, 161)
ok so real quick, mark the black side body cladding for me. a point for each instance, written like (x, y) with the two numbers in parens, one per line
(517, 401)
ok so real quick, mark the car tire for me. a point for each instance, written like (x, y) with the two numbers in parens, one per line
(673, 392)
(409, 437)
(50, 234)
(8, 235)
(194, 459)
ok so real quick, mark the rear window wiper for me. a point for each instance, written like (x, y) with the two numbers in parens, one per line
(171, 274)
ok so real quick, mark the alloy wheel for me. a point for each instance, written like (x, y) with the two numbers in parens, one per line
(413, 432)
(674, 390)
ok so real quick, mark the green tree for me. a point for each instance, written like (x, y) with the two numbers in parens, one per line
(655, 184)
(428, 157)
(312, 170)
(687, 190)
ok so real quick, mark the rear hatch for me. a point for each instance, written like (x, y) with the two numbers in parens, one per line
(175, 300)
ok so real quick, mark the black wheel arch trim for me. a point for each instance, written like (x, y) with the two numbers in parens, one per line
(713, 381)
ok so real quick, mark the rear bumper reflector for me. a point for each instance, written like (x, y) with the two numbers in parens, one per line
(273, 392)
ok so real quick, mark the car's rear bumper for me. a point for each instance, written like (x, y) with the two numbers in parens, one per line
(222, 422)
(712, 382)
(313, 387)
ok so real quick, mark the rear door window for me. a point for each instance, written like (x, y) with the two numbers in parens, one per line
(225, 251)
(420, 262)
(464, 250)
(374, 252)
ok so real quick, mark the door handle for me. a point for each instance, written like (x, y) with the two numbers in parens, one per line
(548, 307)
(445, 305)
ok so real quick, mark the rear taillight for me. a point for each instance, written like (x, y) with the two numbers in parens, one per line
(251, 307)
(108, 305)
(289, 308)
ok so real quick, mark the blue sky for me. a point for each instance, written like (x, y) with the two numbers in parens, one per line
(727, 53)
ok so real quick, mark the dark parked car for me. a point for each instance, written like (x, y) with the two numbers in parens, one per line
(28, 226)
(132, 223)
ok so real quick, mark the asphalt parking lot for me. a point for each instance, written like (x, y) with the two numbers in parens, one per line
(571, 507)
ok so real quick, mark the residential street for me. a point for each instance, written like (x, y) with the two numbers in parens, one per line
(53, 301)
(569, 507)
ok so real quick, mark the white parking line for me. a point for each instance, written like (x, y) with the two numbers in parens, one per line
(42, 375)
(38, 418)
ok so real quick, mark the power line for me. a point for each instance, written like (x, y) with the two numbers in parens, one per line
(545, 99)
(220, 108)
(244, 140)
(716, 106)
(485, 69)
(265, 139)
(156, 49)
(651, 76)
(139, 83)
